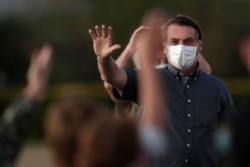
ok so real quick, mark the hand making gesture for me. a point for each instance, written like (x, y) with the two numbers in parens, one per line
(135, 37)
(39, 72)
(102, 41)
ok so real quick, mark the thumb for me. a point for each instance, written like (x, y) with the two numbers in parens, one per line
(115, 47)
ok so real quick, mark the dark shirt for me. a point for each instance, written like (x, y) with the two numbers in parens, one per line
(15, 126)
(196, 109)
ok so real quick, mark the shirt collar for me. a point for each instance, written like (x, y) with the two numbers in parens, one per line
(176, 73)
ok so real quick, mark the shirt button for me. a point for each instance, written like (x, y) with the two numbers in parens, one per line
(188, 145)
(186, 160)
(189, 100)
(177, 78)
(187, 86)
(189, 130)
(189, 115)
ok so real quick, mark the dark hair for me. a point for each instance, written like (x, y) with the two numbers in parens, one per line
(185, 21)
(62, 121)
(109, 142)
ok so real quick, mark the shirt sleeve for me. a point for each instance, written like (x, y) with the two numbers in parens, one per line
(130, 91)
(227, 107)
(15, 126)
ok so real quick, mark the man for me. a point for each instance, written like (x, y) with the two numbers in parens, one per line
(124, 107)
(197, 102)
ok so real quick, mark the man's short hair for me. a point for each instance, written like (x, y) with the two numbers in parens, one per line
(183, 20)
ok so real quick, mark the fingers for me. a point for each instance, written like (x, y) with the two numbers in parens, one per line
(151, 41)
(40, 63)
(154, 18)
(141, 29)
(38, 73)
(92, 34)
(45, 55)
(110, 31)
(115, 47)
(104, 31)
(42, 56)
(137, 33)
(99, 32)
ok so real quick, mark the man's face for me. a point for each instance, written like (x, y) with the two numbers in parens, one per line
(181, 35)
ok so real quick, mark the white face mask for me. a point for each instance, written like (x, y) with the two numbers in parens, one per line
(181, 56)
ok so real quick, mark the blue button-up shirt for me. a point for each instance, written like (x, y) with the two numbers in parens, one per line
(197, 106)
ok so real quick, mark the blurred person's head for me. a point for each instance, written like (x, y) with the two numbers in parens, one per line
(244, 49)
(109, 142)
(62, 121)
(182, 39)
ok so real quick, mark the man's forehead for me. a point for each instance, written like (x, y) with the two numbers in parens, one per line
(180, 31)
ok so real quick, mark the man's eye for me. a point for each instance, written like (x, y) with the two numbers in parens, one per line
(190, 41)
(173, 42)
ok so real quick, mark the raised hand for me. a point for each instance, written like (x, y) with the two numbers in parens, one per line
(102, 41)
(151, 92)
(134, 39)
(150, 41)
(38, 73)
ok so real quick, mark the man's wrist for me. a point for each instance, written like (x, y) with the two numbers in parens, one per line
(35, 93)
(130, 51)
(102, 59)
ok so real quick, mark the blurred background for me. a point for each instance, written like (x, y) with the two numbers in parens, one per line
(26, 24)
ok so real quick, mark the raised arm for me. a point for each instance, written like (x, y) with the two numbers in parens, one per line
(103, 48)
(131, 48)
(17, 120)
(151, 96)
(126, 56)
(150, 87)
(38, 74)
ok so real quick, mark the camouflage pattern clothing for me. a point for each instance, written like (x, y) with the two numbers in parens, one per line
(15, 126)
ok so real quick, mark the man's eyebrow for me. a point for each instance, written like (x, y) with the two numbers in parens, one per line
(189, 38)
(173, 38)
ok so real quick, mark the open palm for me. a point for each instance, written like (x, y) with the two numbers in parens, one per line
(102, 41)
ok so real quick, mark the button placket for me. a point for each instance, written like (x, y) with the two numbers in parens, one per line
(189, 115)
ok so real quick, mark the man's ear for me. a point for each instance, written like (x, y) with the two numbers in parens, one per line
(199, 46)
(165, 48)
